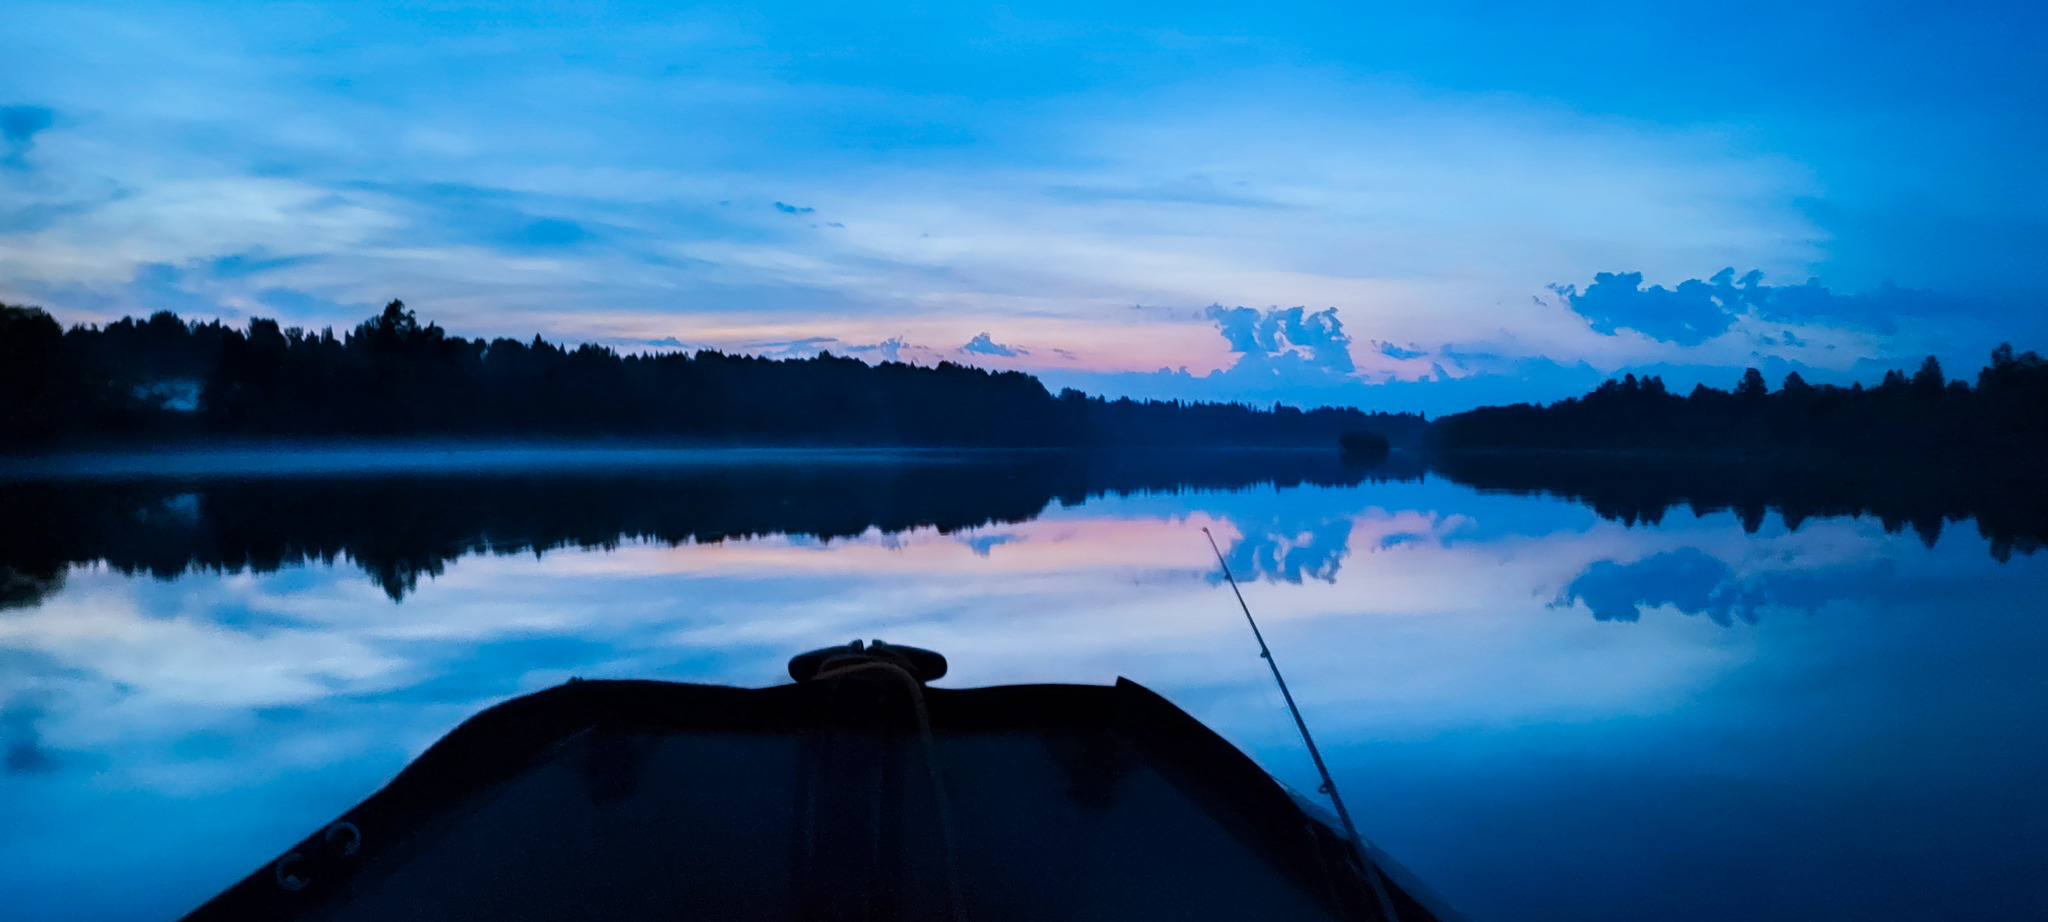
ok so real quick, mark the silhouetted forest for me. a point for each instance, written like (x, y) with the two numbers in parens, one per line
(164, 379)
(2004, 418)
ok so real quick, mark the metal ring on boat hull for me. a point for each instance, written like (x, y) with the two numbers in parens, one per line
(355, 836)
(354, 843)
(288, 880)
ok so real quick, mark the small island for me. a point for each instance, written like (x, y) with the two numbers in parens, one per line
(1361, 446)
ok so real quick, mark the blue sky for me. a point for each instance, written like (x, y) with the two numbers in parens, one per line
(1065, 189)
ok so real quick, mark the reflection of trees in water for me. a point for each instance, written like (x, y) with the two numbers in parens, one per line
(2009, 502)
(2008, 505)
(24, 588)
(398, 528)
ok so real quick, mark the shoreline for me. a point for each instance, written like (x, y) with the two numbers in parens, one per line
(286, 459)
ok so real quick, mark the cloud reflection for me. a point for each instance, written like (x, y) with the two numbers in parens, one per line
(1697, 583)
(1407, 614)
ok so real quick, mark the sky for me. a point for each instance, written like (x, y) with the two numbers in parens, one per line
(1466, 203)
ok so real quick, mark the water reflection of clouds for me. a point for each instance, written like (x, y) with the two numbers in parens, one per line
(1088, 593)
(1312, 550)
(1405, 613)
(1695, 582)
(1084, 595)
(1688, 579)
(1084, 598)
(1060, 545)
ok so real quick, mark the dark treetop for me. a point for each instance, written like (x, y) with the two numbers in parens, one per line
(164, 379)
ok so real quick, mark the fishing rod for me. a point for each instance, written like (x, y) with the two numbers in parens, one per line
(1372, 871)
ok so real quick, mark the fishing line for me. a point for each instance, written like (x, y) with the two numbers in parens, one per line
(1372, 871)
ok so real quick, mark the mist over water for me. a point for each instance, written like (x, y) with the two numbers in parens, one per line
(1552, 695)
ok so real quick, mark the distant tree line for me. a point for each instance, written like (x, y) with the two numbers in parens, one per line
(1925, 414)
(392, 377)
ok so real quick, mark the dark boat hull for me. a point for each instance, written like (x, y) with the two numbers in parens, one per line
(625, 800)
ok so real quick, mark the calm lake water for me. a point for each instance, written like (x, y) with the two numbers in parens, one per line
(1543, 711)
